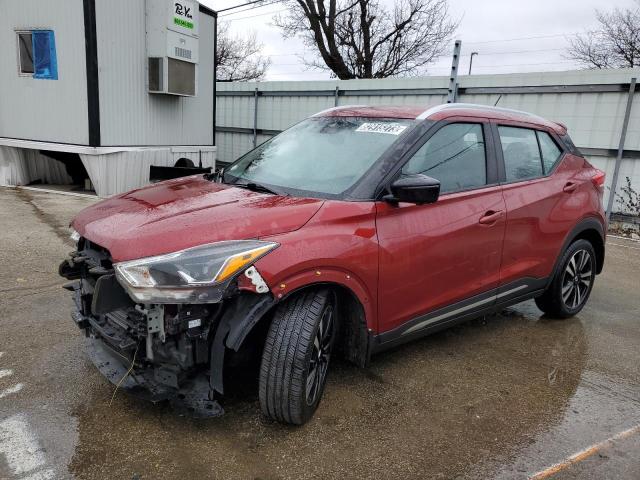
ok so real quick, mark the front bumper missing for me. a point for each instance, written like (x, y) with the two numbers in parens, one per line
(112, 352)
(179, 350)
(190, 399)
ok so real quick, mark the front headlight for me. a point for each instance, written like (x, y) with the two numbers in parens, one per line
(75, 236)
(195, 275)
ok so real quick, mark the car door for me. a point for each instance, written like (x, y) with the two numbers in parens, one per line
(434, 256)
(542, 201)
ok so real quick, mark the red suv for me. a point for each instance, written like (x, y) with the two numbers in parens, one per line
(355, 230)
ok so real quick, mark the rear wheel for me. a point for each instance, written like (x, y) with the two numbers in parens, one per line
(296, 356)
(572, 283)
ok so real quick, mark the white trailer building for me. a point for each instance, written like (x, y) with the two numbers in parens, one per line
(103, 89)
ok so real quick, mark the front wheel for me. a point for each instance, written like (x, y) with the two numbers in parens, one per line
(572, 283)
(296, 356)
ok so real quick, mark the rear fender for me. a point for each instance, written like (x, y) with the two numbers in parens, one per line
(587, 224)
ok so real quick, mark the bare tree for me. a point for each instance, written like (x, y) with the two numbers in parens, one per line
(614, 44)
(364, 39)
(239, 59)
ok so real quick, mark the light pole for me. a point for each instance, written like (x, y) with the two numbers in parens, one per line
(471, 61)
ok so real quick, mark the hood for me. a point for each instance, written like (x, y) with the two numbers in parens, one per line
(187, 212)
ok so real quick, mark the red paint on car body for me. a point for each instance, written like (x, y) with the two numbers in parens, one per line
(187, 212)
(335, 246)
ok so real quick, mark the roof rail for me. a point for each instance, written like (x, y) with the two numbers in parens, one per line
(332, 109)
(438, 108)
(430, 111)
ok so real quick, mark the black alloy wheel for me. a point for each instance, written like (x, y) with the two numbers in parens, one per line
(320, 355)
(572, 283)
(577, 278)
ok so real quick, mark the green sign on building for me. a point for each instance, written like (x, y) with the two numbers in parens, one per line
(183, 23)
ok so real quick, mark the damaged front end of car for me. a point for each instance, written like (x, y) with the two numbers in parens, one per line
(159, 327)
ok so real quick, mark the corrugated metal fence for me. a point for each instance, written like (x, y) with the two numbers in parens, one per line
(591, 103)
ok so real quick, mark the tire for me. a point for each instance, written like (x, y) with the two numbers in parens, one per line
(184, 162)
(291, 357)
(570, 288)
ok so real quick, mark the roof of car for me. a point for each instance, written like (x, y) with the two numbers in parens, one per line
(440, 112)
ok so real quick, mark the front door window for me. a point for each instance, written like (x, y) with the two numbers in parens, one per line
(454, 155)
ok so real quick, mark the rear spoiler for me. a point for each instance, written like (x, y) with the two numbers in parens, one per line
(562, 126)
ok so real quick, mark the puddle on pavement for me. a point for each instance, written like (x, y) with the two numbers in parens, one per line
(601, 407)
(455, 404)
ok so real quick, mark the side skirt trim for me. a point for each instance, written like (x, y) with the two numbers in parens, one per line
(466, 309)
(471, 306)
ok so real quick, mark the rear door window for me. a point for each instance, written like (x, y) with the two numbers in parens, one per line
(454, 155)
(521, 154)
(551, 153)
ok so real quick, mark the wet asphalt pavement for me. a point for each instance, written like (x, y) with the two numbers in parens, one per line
(505, 396)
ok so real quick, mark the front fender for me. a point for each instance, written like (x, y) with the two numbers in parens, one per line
(328, 275)
(337, 246)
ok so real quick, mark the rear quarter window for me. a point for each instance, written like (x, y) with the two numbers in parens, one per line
(551, 153)
(568, 143)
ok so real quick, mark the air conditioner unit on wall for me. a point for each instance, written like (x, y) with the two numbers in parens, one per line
(172, 46)
(171, 76)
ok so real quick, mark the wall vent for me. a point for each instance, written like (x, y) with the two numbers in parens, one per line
(183, 53)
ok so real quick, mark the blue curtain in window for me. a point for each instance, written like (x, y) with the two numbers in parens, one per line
(45, 63)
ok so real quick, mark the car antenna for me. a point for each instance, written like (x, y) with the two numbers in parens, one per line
(499, 97)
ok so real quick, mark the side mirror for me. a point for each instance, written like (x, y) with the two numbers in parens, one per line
(416, 188)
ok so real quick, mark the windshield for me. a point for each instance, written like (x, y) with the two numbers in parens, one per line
(319, 156)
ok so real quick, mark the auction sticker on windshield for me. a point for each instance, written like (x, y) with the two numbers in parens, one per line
(390, 128)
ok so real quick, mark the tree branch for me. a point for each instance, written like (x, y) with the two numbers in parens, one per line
(615, 43)
(363, 39)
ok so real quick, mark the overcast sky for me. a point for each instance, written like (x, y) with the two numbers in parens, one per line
(509, 35)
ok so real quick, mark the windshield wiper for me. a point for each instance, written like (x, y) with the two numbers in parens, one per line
(257, 187)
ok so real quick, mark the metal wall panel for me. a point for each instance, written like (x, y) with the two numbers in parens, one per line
(21, 166)
(119, 172)
(129, 115)
(629, 167)
(44, 110)
(234, 145)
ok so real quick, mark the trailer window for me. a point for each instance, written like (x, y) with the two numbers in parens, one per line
(37, 54)
(25, 53)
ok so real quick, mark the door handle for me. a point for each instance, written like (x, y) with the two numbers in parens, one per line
(491, 217)
(570, 187)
